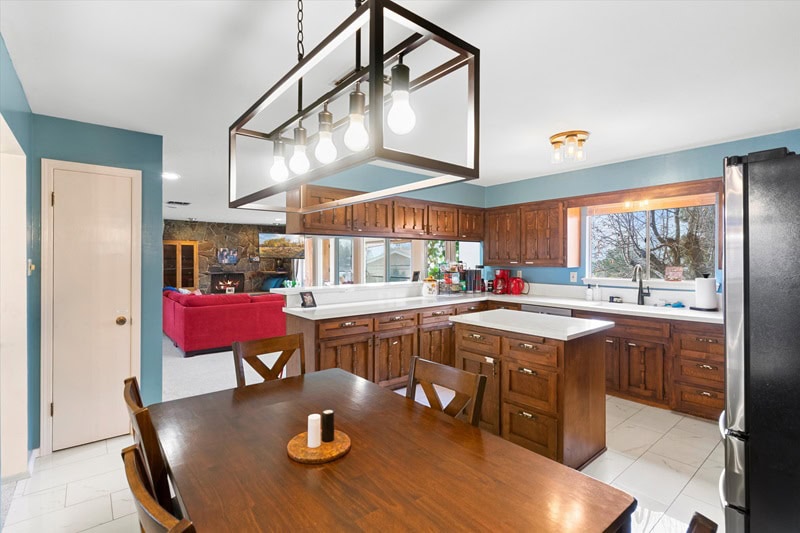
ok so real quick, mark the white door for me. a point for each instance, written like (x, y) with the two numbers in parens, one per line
(92, 264)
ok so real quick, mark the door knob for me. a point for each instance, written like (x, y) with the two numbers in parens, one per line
(121, 320)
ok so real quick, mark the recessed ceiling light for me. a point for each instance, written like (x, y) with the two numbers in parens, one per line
(170, 176)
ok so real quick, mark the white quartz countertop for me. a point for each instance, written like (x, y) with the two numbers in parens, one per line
(562, 328)
(388, 305)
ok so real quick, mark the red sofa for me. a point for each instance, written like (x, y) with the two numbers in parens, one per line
(211, 322)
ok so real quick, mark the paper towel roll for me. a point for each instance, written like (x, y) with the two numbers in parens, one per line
(705, 293)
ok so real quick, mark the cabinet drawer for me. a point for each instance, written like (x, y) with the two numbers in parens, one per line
(701, 346)
(699, 372)
(530, 386)
(399, 320)
(477, 341)
(631, 327)
(471, 308)
(534, 431)
(504, 305)
(532, 349)
(344, 326)
(701, 401)
(436, 315)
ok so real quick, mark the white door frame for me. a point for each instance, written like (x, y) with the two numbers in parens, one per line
(49, 166)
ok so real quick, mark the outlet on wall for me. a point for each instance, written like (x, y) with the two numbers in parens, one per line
(573, 277)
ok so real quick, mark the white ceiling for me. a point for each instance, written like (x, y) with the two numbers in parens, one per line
(644, 78)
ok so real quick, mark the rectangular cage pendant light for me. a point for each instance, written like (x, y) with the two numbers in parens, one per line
(407, 121)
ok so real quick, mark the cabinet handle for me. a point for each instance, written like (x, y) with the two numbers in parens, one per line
(439, 313)
(703, 339)
(527, 371)
(528, 262)
(632, 344)
(476, 337)
(347, 324)
(610, 341)
(473, 308)
(706, 394)
(395, 342)
(706, 367)
(514, 262)
(526, 346)
(526, 415)
(396, 318)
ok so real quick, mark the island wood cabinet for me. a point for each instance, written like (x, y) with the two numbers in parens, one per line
(543, 227)
(501, 237)
(543, 394)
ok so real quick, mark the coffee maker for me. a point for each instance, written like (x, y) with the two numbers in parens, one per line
(501, 279)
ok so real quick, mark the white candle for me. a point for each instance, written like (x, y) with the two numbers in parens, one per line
(314, 430)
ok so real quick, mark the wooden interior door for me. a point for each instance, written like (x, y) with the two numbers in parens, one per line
(93, 232)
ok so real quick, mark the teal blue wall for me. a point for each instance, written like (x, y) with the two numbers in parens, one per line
(53, 138)
(686, 165)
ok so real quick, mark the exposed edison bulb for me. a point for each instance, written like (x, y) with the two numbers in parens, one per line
(571, 147)
(325, 152)
(401, 118)
(299, 163)
(356, 137)
(279, 172)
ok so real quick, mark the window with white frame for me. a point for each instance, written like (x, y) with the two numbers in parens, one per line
(656, 234)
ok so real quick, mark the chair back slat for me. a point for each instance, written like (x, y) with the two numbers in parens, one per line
(250, 351)
(153, 518)
(145, 436)
(468, 388)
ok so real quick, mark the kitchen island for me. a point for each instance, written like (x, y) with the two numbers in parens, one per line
(545, 385)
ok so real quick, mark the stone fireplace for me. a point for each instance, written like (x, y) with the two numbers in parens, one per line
(220, 281)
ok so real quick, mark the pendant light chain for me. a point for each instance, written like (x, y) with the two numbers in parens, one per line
(301, 52)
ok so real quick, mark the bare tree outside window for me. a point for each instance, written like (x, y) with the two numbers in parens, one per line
(680, 236)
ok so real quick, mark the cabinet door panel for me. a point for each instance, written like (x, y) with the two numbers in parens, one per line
(393, 353)
(410, 218)
(442, 221)
(502, 246)
(488, 366)
(612, 362)
(543, 228)
(642, 369)
(534, 431)
(470, 224)
(338, 219)
(436, 344)
(353, 354)
(373, 217)
(530, 386)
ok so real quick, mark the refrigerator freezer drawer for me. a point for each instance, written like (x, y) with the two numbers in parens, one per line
(735, 475)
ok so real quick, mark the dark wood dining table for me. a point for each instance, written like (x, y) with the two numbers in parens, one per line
(410, 468)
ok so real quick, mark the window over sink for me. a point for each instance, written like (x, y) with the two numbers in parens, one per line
(654, 233)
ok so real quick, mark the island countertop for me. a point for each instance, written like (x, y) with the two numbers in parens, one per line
(549, 326)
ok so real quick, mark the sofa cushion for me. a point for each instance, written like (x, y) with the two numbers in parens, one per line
(207, 300)
(173, 295)
(266, 298)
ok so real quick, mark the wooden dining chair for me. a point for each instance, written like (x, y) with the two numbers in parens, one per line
(251, 350)
(153, 517)
(701, 524)
(467, 386)
(145, 436)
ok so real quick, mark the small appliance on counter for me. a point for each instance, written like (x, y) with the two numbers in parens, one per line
(705, 294)
(518, 286)
(501, 281)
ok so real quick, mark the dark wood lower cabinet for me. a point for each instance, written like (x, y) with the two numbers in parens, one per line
(353, 354)
(393, 353)
(612, 363)
(530, 429)
(642, 369)
(489, 367)
(436, 343)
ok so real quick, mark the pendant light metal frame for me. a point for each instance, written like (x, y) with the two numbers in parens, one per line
(372, 12)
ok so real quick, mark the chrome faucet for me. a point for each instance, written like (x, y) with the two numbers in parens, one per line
(637, 269)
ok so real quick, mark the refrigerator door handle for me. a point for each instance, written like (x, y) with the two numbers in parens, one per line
(721, 488)
(735, 489)
(721, 424)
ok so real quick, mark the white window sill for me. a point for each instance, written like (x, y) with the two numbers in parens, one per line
(652, 283)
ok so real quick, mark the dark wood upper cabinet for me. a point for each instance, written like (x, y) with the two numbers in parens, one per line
(443, 221)
(338, 219)
(501, 246)
(470, 224)
(544, 235)
(410, 217)
(374, 217)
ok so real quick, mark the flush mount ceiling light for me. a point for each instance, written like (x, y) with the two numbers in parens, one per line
(568, 146)
(381, 113)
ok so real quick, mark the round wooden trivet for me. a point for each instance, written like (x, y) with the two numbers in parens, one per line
(327, 451)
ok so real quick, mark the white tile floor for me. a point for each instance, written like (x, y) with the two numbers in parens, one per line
(669, 462)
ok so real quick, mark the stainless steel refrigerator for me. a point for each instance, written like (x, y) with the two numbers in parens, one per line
(760, 486)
